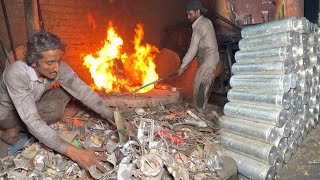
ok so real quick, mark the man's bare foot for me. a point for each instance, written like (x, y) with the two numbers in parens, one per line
(11, 136)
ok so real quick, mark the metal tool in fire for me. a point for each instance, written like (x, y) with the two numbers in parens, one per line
(153, 82)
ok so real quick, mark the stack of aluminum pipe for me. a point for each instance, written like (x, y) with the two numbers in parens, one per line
(273, 101)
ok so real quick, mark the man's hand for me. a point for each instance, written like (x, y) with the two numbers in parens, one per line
(181, 71)
(86, 158)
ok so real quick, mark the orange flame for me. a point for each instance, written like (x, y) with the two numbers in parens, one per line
(115, 71)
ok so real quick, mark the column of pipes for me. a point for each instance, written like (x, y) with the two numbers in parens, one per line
(273, 101)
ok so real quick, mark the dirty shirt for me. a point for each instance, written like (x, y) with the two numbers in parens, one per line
(20, 89)
(203, 43)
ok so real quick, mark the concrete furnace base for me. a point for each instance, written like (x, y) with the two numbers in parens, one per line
(149, 99)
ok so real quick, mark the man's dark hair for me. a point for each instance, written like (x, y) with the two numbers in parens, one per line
(39, 42)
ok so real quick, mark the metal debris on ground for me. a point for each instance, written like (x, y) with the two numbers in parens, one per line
(162, 143)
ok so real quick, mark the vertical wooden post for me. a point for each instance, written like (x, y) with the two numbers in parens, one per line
(31, 17)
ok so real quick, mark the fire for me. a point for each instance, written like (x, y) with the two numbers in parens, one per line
(114, 71)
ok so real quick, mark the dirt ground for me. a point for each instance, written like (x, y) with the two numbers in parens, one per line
(304, 164)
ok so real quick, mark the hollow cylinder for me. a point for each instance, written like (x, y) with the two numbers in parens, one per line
(281, 143)
(261, 82)
(257, 150)
(266, 115)
(253, 130)
(287, 155)
(251, 168)
(278, 163)
(272, 40)
(261, 98)
(272, 54)
(263, 68)
(301, 25)
(284, 131)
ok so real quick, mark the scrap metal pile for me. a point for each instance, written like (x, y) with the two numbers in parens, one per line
(146, 144)
(274, 100)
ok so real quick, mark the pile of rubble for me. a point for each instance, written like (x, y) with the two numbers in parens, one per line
(173, 143)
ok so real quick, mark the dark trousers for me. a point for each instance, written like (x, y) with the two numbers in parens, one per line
(50, 107)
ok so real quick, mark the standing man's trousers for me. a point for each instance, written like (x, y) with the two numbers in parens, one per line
(204, 80)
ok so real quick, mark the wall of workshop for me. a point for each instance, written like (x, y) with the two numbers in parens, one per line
(15, 13)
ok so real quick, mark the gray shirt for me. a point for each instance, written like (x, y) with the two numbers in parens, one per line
(20, 89)
(203, 43)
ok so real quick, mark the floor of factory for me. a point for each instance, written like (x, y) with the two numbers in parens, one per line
(304, 164)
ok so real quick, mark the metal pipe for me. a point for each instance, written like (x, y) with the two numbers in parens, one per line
(290, 112)
(304, 39)
(285, 129)
(297, 119)
(273, 54)
(304, 132)
(257, 150)
(293, 79)
(304, 63)
(296, 103)
(286, 155)
(281, 144)
(257, 131)
(251, 168)
(266, 115)
(313, 39)
(314, 60)
(300, 139)
(263, 68)
(295, 92)
(294, 147)
(261, 98)
(300, 25)
(261, 82)
(270, 41)
(278, 164)
(314, 50)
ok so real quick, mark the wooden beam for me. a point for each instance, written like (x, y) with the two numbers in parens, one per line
(31, 17)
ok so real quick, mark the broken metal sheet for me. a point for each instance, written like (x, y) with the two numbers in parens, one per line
(145, 130)
(140, 111)
(21, 162)
(110, 165)
(151, 166)
(39, 161)
(17, 175)
(194, 122)
(125, 170)
(177, 169)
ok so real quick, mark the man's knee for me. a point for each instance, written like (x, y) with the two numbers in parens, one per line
(51, 111)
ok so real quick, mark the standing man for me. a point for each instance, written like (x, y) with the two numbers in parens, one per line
(203, 45)
(29, 103)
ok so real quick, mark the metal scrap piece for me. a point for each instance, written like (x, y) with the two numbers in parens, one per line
(151, 166)
(146, 126)
(21, 162)
(177, 169)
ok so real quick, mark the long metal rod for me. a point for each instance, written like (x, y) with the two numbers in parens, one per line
(8, 28)
(254, 149)
(251, 168)
(161, 79)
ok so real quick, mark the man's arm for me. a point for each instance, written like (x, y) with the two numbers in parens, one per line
(22, 98)
(69, 80)
(24, 103)
(193, 48)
